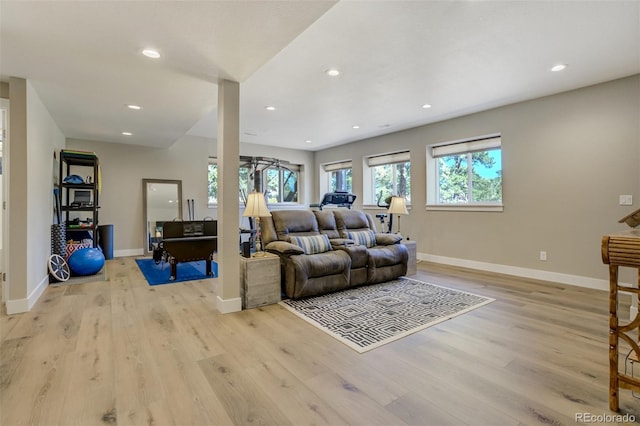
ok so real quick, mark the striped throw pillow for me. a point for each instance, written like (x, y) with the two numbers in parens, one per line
(312, 244)
(363, 238)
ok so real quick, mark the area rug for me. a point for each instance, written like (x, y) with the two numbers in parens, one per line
(156, 274)
(367, 317)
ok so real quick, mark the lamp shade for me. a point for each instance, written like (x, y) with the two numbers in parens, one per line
(256, 206)
(398, 205)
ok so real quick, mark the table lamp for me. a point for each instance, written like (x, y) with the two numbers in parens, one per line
(398, 206)
(257, 207)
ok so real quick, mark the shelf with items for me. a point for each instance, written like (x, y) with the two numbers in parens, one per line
(79, 195)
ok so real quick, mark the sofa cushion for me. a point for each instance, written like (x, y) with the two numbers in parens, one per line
(312, 244)
(296, 222)
(363, 238)
(351, 219)
(327, 223)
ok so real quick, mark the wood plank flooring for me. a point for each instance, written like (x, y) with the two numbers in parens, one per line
(119, 352)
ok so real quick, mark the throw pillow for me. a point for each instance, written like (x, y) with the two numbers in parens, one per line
(312, 244)
(363, 238)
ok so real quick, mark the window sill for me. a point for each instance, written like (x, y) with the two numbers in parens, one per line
(376, 207)
(465, 207)
(270, 206)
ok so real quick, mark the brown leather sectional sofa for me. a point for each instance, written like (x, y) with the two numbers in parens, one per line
(331, 250)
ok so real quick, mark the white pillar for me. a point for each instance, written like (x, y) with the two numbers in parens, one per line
(228, 204)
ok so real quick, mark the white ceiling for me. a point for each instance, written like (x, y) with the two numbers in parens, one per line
(83, 59)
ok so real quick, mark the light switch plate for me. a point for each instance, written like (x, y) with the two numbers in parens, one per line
(626, 200)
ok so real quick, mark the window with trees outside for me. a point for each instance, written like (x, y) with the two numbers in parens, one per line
(390, 175)
(213, 182)
(245, 182)
(282, 184)
(467, 173)
(339, 176)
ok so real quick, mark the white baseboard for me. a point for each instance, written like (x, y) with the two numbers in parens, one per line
(227, 306)
(535, 274)
(128, 252)
(18, 306)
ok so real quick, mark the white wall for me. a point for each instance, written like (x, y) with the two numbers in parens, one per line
(566, 159)
(34, 139)
(124, 167)
(43, 139)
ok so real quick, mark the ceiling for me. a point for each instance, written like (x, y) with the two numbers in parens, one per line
(83, 59)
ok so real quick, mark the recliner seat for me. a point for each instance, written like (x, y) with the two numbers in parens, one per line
(317, 256)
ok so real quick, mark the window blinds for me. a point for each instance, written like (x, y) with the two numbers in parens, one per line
(466, 146)
(393, 158)
(341, 165)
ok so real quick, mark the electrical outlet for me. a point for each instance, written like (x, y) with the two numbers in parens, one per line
(543, 255)
(626, 200)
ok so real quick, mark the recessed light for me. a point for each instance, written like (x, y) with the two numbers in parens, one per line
(356, 127)
(333, 72)
(558, 67)
(151, 53)
(136, 107)
(307, 141)
(426, 106)
(127, 133)
(270, 108)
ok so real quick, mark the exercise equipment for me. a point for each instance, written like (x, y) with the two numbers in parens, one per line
(58, 268)
(339, 199)
(86, 261)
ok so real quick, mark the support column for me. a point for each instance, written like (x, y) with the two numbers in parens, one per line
(18, 238)
(228, 204)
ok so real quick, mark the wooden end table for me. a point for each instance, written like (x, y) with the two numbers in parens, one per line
(260, 278)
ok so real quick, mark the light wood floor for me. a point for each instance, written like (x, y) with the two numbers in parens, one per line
(119, 352)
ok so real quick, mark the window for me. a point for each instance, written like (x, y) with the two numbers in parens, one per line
(213, 181)
(339, 176)
(245, 186)
(390, 175)
(465, 173)
(244, 182)
(282, 185)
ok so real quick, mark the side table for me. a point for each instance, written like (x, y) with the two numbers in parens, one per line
(260, 278)
(621, 249)
(412, 249)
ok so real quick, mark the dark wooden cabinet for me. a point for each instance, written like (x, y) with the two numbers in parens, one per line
(80, 198)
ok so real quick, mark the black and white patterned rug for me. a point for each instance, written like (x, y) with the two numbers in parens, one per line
(367, 317)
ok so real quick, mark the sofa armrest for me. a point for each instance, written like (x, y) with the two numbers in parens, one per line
(283, 248)
(388, 239)
(340, 242)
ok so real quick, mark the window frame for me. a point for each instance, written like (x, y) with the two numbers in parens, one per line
(295, 168)
(466, 146)
(329, 169)
(212, 161)
(379, 160)
(290, 168)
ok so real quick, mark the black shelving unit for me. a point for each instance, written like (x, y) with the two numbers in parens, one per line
(85, 165)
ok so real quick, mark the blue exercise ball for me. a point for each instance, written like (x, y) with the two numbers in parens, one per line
(86, 261)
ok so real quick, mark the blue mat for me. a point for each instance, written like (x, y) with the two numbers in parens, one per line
(188, 271)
